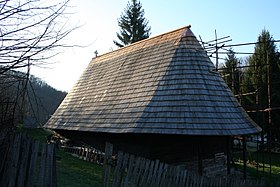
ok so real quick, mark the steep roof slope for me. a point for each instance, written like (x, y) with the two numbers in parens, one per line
(163, 85)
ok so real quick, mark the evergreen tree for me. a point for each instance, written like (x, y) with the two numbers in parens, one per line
(133, 25)
(264, 65)
(230, 71)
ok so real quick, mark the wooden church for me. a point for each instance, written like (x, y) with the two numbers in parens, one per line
(160, 98)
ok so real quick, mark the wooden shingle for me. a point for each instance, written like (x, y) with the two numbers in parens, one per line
(162, 85)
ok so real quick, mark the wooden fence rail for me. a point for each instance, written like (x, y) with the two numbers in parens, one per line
(86, 153)
(131, 171)
(26, 163)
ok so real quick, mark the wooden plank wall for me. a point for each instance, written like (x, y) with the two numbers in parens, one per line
(130, 170)
(26, 163)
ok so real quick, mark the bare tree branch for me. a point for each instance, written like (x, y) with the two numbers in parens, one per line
(31, 32)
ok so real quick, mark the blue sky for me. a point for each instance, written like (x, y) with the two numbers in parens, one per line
(241, 20)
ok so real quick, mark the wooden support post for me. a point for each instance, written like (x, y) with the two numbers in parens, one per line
(244, 158)
(269, 109)
(107, 163)
(228, 154)
(199, 160)
(216, 47)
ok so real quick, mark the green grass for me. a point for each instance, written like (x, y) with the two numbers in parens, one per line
(261, 172)
(38, 134)
(71, 171)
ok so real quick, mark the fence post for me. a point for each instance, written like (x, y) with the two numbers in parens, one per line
(16, 150)
(32, 165)
(26, 142)
(54, 184)
(49, 166)
(107, 164)
(42, 167)
(4, 154)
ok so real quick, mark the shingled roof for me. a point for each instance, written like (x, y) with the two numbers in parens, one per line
(162, 85)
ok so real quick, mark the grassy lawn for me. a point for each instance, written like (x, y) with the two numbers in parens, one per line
(38, 134)
(261, 171)
(71, 171)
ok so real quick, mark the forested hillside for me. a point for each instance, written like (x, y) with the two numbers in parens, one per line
(26, 99)
(44, 100)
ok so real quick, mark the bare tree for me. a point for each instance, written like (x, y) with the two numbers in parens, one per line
(31, 32)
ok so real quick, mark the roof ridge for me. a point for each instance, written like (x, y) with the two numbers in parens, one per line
(144, 40)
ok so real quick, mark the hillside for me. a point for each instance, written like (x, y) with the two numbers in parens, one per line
(44, 101)
(28, 101)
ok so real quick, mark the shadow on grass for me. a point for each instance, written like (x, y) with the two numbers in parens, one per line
(72, 171)
(261, 165)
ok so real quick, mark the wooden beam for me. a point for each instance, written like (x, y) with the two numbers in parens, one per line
(228, 154)
(107, 163)
(244, 158)
(199, 159)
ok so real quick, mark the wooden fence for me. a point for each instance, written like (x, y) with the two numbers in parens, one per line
(86, 153)
(130, 170)
(24, 162)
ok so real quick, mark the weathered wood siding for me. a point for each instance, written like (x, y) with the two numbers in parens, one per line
(167, 148)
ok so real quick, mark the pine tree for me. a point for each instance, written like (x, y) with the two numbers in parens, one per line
(264, 65)
(265, 54)
(230, 71)
(133, 25)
